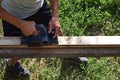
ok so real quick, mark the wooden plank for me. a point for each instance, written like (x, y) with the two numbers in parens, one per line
(71, 40)
(10, 41)
(89, 40)
(23, 51)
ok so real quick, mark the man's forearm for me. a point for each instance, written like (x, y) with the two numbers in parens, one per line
(9, 18)
(54, 7)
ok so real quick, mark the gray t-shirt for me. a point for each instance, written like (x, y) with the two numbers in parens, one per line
(22, 8)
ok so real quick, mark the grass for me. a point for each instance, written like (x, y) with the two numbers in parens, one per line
(56, 69)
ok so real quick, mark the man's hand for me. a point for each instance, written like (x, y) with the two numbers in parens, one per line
(28, 27)
(55, 24)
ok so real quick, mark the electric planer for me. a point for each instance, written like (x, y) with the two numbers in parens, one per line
(42, 38)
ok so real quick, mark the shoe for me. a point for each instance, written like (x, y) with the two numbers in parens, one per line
(18, 70)
(77, 60)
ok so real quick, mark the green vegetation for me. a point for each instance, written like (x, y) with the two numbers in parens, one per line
(87, 17)
(79, 17)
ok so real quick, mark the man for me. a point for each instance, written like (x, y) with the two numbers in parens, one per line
(21, 16)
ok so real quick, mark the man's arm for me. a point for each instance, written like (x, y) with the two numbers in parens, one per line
(9, 18)
(27, 27)
(54, 7)
(54, 22)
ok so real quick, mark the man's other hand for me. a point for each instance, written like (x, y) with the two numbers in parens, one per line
(55, 24)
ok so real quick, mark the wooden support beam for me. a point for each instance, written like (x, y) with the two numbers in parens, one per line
(58, 51)
(87, 47)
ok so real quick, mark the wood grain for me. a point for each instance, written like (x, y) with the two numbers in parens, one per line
(89, 40)
(10, 41)
(23, 51)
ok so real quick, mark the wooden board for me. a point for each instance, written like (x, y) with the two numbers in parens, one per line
(89, 40)
(10, 41)
(71, 40)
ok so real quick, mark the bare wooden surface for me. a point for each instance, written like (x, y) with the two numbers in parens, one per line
(89, 40)
(10, 41)
(71, 40)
